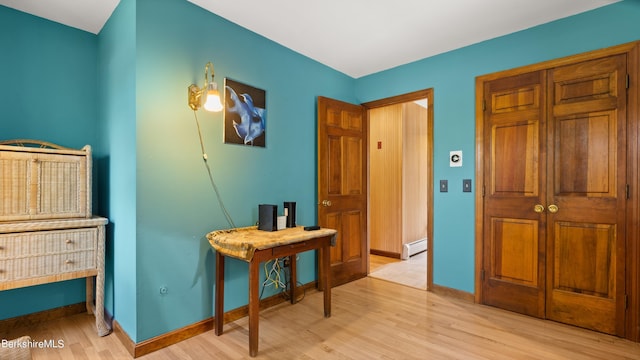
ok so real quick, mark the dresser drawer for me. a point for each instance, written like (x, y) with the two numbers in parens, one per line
(46, 265)
(45, 253)
(24, 244)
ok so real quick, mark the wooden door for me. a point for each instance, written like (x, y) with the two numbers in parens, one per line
(587, 194)
(514, 224)
(555, 193)
(342, 185)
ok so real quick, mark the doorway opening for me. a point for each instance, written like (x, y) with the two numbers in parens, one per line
(400, 183)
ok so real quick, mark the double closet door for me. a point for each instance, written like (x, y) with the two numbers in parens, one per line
(555, 192)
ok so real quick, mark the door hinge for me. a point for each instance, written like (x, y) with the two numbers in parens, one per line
(628, 192)
(628, 81)
(626, 301)
(483, 190)
(482, 274)
(484, 105)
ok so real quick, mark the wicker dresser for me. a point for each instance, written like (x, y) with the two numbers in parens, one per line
(47, 230)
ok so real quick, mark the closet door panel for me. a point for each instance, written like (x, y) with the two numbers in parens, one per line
(514, 227)
(587, 197)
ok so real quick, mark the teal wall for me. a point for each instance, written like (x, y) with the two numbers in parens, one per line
(47, 92)
(176, 203)
(47, 80)
(116, 161)
(452, 76)
(125, 91)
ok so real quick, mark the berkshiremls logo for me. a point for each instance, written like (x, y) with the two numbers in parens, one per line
(42, 344)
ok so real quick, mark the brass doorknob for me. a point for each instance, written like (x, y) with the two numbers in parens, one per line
(326, 203)
(553, 209)
(538, 208)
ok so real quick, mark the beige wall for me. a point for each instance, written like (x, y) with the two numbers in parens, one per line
(398, 176)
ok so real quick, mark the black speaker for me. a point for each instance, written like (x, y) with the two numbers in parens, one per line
(290, 213)
(267, 217)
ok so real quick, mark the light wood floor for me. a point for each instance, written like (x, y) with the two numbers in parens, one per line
(411, 272)
(377, 262)
(372, 319)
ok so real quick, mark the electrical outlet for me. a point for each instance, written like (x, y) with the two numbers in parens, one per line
(286, 262)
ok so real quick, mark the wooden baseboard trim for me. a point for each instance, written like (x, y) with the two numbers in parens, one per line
(385, 253)
(172, 337)
(124, 338)
(175, 336)
(452, 293)
(29, 320)
(239, 313)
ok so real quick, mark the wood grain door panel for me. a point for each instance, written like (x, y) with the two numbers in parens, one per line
(583, 291)
(587, 168)
(582, 262)
(556, 140)
(513, 249)
(588, 142)
(342, 186)
(516, 144)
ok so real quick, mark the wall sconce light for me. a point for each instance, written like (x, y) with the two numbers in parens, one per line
(212, 103)
(210, 90)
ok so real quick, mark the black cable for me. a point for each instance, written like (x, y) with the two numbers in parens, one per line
(213, 183)
(288, 295)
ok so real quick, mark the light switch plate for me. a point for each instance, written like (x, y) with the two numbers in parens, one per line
(466, 185)
(444, 186)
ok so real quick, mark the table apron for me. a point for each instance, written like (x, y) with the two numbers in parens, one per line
(291, 249)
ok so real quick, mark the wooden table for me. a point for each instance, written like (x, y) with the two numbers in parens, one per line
(257, 246)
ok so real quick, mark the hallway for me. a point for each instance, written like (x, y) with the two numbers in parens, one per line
(411, 272)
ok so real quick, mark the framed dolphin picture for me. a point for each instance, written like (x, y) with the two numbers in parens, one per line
(245, 114)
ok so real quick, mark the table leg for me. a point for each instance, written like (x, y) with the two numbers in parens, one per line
(254, 306)
(293, 278)
(101, 325)
(89, 294)
(219, 306)
(326, 274)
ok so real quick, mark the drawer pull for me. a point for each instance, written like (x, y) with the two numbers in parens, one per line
(68, 262)
(69, 241)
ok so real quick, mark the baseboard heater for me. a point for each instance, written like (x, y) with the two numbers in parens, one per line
(413, 248)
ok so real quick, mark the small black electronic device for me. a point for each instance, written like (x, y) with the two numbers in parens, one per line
(310, 228)
(290, 213)
(267, 217)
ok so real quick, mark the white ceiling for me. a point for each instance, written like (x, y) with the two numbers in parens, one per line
(356, 37)
(88, 15)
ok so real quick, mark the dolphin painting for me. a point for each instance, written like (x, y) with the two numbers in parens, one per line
(248, 120)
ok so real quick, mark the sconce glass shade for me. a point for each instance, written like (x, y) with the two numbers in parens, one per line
(212, 102)
(209, 91)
